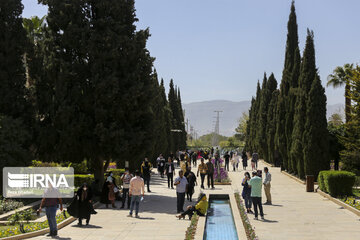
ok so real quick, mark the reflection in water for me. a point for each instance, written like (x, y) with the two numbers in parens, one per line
(220, 222)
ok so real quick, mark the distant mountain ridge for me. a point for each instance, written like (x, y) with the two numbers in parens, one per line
(201, 115)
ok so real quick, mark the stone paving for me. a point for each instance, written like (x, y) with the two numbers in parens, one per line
(157, 219)
(295, 214)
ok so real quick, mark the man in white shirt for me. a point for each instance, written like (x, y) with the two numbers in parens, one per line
(135, 192)
(180, 183)
(267, 186)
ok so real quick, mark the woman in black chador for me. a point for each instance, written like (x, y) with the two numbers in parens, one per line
(85, 208)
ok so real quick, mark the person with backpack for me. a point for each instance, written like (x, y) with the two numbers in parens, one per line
(146, 172)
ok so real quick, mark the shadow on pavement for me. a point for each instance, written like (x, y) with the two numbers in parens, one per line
(86, 226)
(270, 221)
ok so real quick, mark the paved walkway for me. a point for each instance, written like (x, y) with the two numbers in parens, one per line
(157, 219)
(296, 214)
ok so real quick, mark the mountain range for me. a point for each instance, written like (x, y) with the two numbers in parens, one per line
(202, 117)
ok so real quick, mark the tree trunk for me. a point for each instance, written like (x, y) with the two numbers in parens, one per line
(98, 166)
(347, 102)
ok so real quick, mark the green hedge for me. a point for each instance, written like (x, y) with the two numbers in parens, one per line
(336, 183)
(79, 179)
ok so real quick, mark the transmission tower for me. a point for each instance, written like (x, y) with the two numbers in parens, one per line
(215, 140)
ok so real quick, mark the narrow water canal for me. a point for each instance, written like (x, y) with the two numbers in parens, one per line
(220, 221)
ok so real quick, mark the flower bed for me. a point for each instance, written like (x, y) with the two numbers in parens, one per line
(352, 202)
(250, 232)
(221, 176)
(30, 227)
(191, 230)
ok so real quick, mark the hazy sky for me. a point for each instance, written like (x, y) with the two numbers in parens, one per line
(218, 49)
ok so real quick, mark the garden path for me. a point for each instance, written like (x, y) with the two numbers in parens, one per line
(297, 214)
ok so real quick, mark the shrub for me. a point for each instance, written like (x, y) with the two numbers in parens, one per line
(7, 205)
(321, 181)
(79, 179)
(79, 168)
(337, 183)
(15, 218)
(37, 163)
(27, 215)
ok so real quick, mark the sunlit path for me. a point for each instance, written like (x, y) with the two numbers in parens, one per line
(296, 214)
(157, 219)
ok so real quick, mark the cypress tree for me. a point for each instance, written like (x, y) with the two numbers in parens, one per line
(183, 134)
(13, 42)
(308, 72)
(271, 127)
(168, 116)
(291, 109)
(266, 96)
(282, 138)
(315, 138)
(249, 139)
(260, 123)
(173, 104)
(254, 122)
(121, 72)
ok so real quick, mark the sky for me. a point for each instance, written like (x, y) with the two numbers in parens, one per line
(219, 49)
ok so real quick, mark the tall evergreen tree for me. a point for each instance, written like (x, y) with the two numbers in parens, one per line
(315, 137)
(291, 104)
(254, 122)
(271, 127)
(249, 139)
(308, 72)
(266, 96)
(174, 106)
(286, 83)
(168, 116)
(183, 134)
(13, 43)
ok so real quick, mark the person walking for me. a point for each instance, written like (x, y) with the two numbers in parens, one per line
(162, 166)
(227, 161)
(146, 172)
(255, 159)
(170, 172)
(246, 192)
(194, 156)
(244, 160)
(191, 178)
(210, 174)
(126, 178)
(137, 188)
(108, 191)
(267, 186)
(181, 184)
(85, 208)
(199, 208)
(51, 199)
(202, 169)
(235, 161)
(255, 184)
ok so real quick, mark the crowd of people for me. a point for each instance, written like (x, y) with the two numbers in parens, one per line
(132, 191)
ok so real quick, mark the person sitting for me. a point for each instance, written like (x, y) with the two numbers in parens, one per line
(199, 208)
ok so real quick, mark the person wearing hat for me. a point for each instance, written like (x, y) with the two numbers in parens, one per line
(199, 208)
